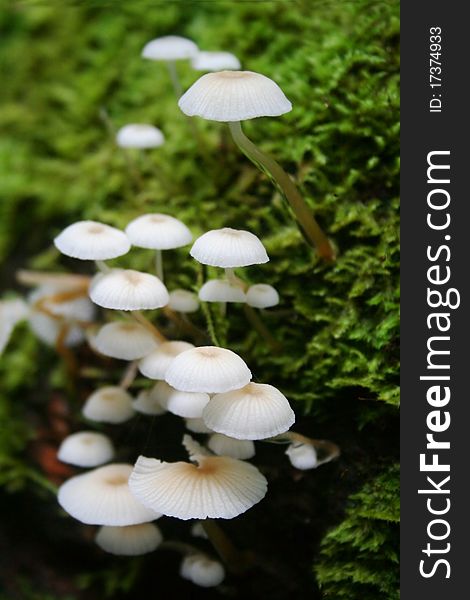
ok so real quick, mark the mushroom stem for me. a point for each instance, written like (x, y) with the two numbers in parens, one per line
(129, 375)
(303, 214)
(102, 266)
(159, 264)
(330, 450)
(175, 80)
(139, 317)
(261, 328)
(236, 561)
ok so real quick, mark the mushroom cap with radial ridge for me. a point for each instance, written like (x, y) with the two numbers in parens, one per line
(86, 449)
(155, 364)
(110, 404)
(221, 290)
(103, 497)
(302, 456)
(90, 240)
(126, 289)
(202, 570)
(129, 540)
(139, 135)
(254, 412)
(158, 232)
(183, 404)
(169, 48)
(215, 61)
(262, 295)
(208, 369)
(215, 487)
(125, 340)
(222, 445)
(234, 96)
(147, 403)
(183, 301)
(229, 248)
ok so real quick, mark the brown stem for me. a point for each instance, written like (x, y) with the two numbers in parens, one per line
(139, 317)
(330, 449)
(129, 375)
(236, 561)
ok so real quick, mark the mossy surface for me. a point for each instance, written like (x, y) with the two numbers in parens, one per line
(72, 74)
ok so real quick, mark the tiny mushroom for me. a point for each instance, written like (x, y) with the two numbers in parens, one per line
(110, 404)
(229, 248)
(86, 449)
(215, 487)
(183, 301)
(124, 340)
(208, 369)
(215, 61)
(254, 412)
(155, 364)
(147, 403)
(226, 446)
(302, 456)
(139, 135)
(90, 240)
(235, 96)
(183, 404)
(262, 295)
(202, 570)
(126, 289)
(221, 290)
(129, 540)
(103, 497)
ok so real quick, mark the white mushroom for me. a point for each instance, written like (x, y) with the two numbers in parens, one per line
(197, 426)
(226, 446)
(215, 487)
(155, 364)
(183, 301)
(102, 497)
(110, 404)
(148, 403)
(11, 312)
(262, 295)
(125, 289)
(124, 340)
(215, 61)
(254, 412)
(169, 48)
(208, 369)
(229, 248)
(90, 240)
(129, 540)
(234, 96)
(158, 232)
(183, 404)
(139, 135)
(302, 456)
(221, 290)
(86, 449)
(202, 570)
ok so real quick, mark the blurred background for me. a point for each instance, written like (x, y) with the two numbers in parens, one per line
(71, 75)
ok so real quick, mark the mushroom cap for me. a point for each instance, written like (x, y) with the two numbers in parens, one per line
(208, 369)
(78, 309)
(262, 295)
(302, 456)
(234, 96)
(169, 48)
(158, 232)
(124, 340)
(221, 290)
(215, 61)
(229, 248)
(197, 426)
(48, 330)
(147, 403)
(86, 449)
(226, 446)
(255, 412)
(139, 135)
(183, 301)
(155, 364)
(183, 404)
(129, 540)
(90, 240)
(11, 313)
(202, 570)
(103, 497)
(110, 404)
(218, 487)
(126, 289)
